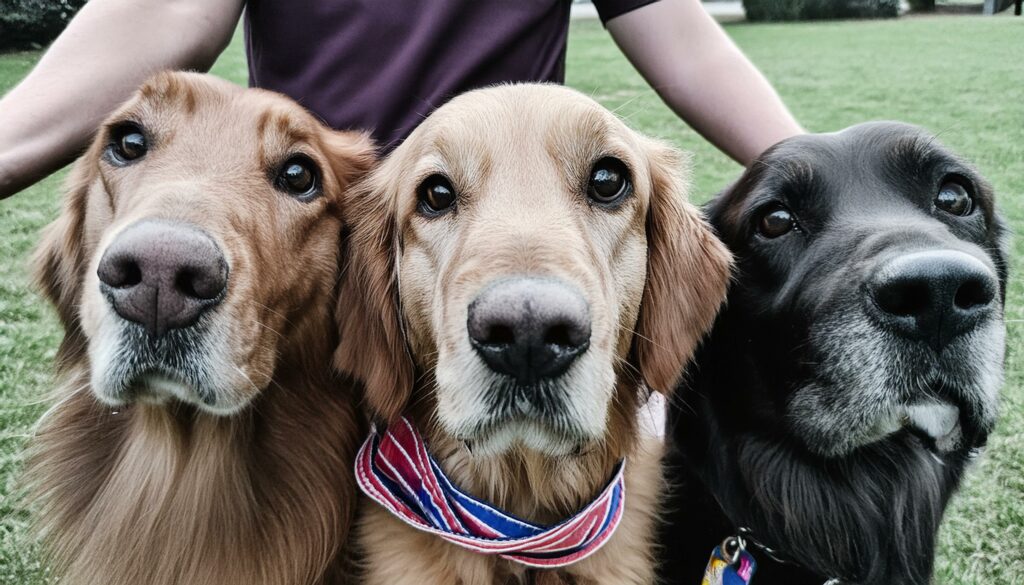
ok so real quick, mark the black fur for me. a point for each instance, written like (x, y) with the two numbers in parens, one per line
(869, 515)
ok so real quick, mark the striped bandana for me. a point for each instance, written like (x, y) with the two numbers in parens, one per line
(395, 470)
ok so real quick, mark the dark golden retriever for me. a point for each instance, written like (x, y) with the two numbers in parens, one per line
(199, 437)
(525, 268)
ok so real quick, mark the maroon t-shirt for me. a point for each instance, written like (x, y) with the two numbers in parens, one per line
(383, 65)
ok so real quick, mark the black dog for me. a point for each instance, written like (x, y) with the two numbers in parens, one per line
(854, 372)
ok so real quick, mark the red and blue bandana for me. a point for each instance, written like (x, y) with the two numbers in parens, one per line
(396, 471)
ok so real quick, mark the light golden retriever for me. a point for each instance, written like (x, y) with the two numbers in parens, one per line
(525, 269)
(199, 437)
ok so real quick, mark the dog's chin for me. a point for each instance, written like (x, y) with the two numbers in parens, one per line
(937, 425)
(935, 422)
(870, 387)
(531, 435)
(187, 368)
(162, 389)
(492, 414)
(523, 426)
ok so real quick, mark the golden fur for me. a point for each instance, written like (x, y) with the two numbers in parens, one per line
(652, 272)
(161, 492)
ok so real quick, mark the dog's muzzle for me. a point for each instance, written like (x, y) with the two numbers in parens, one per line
(159, 279)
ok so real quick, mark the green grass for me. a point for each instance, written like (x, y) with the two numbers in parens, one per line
(959, 76)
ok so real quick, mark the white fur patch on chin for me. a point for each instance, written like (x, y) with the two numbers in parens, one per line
(157, 389)
(651, 415)
(939, 420)
(523, 433)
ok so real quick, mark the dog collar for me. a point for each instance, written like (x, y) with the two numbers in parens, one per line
(395, 470)
(732, 564)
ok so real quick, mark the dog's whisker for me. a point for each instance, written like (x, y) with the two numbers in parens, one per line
(278, 313)
(644, 337)
(246, 378)
(269, 328)
(57, 406)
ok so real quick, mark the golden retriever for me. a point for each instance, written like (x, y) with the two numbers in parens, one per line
(199, 437)
(525, 269)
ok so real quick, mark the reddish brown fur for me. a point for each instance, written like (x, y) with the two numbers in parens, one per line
(368, 308)
(167, 494)
(686, 277)
(687, 272)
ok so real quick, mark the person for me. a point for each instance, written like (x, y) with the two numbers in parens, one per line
(378, 65)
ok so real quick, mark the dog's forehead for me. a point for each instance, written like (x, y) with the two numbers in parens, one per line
(846, 147)
(847, 172)
(860, 148)
(514, 121)
(217, 112)
(867, 160)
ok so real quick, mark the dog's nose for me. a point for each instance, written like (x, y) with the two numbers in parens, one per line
(934, 296)
(162, 275)
(529, 328)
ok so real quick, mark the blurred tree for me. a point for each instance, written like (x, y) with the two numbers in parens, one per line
(769, 10)
(32, 24)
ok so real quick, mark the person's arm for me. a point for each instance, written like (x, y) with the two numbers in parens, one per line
(698, 71)
(106, 52)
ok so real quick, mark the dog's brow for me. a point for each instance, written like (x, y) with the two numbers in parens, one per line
(188, 99)
(464, 160)
(790, 170)
(171, 90)
(590, 137)
(284, 126)
(918, 151)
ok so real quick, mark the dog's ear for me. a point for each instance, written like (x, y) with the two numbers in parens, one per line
(352, 156)
(62, 256)
(372, 346)
(688, 271)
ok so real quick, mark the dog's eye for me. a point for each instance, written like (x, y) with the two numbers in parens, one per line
(609, 181)
(127, 144)
(954, 198)
(436, 195)
(776, 222)
(300, 178)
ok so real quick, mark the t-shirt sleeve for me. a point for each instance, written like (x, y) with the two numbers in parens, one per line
(609, 9)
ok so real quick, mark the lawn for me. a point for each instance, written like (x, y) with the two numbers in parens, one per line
(961, 77)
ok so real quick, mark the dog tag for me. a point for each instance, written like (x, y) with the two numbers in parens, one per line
(735, 569)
